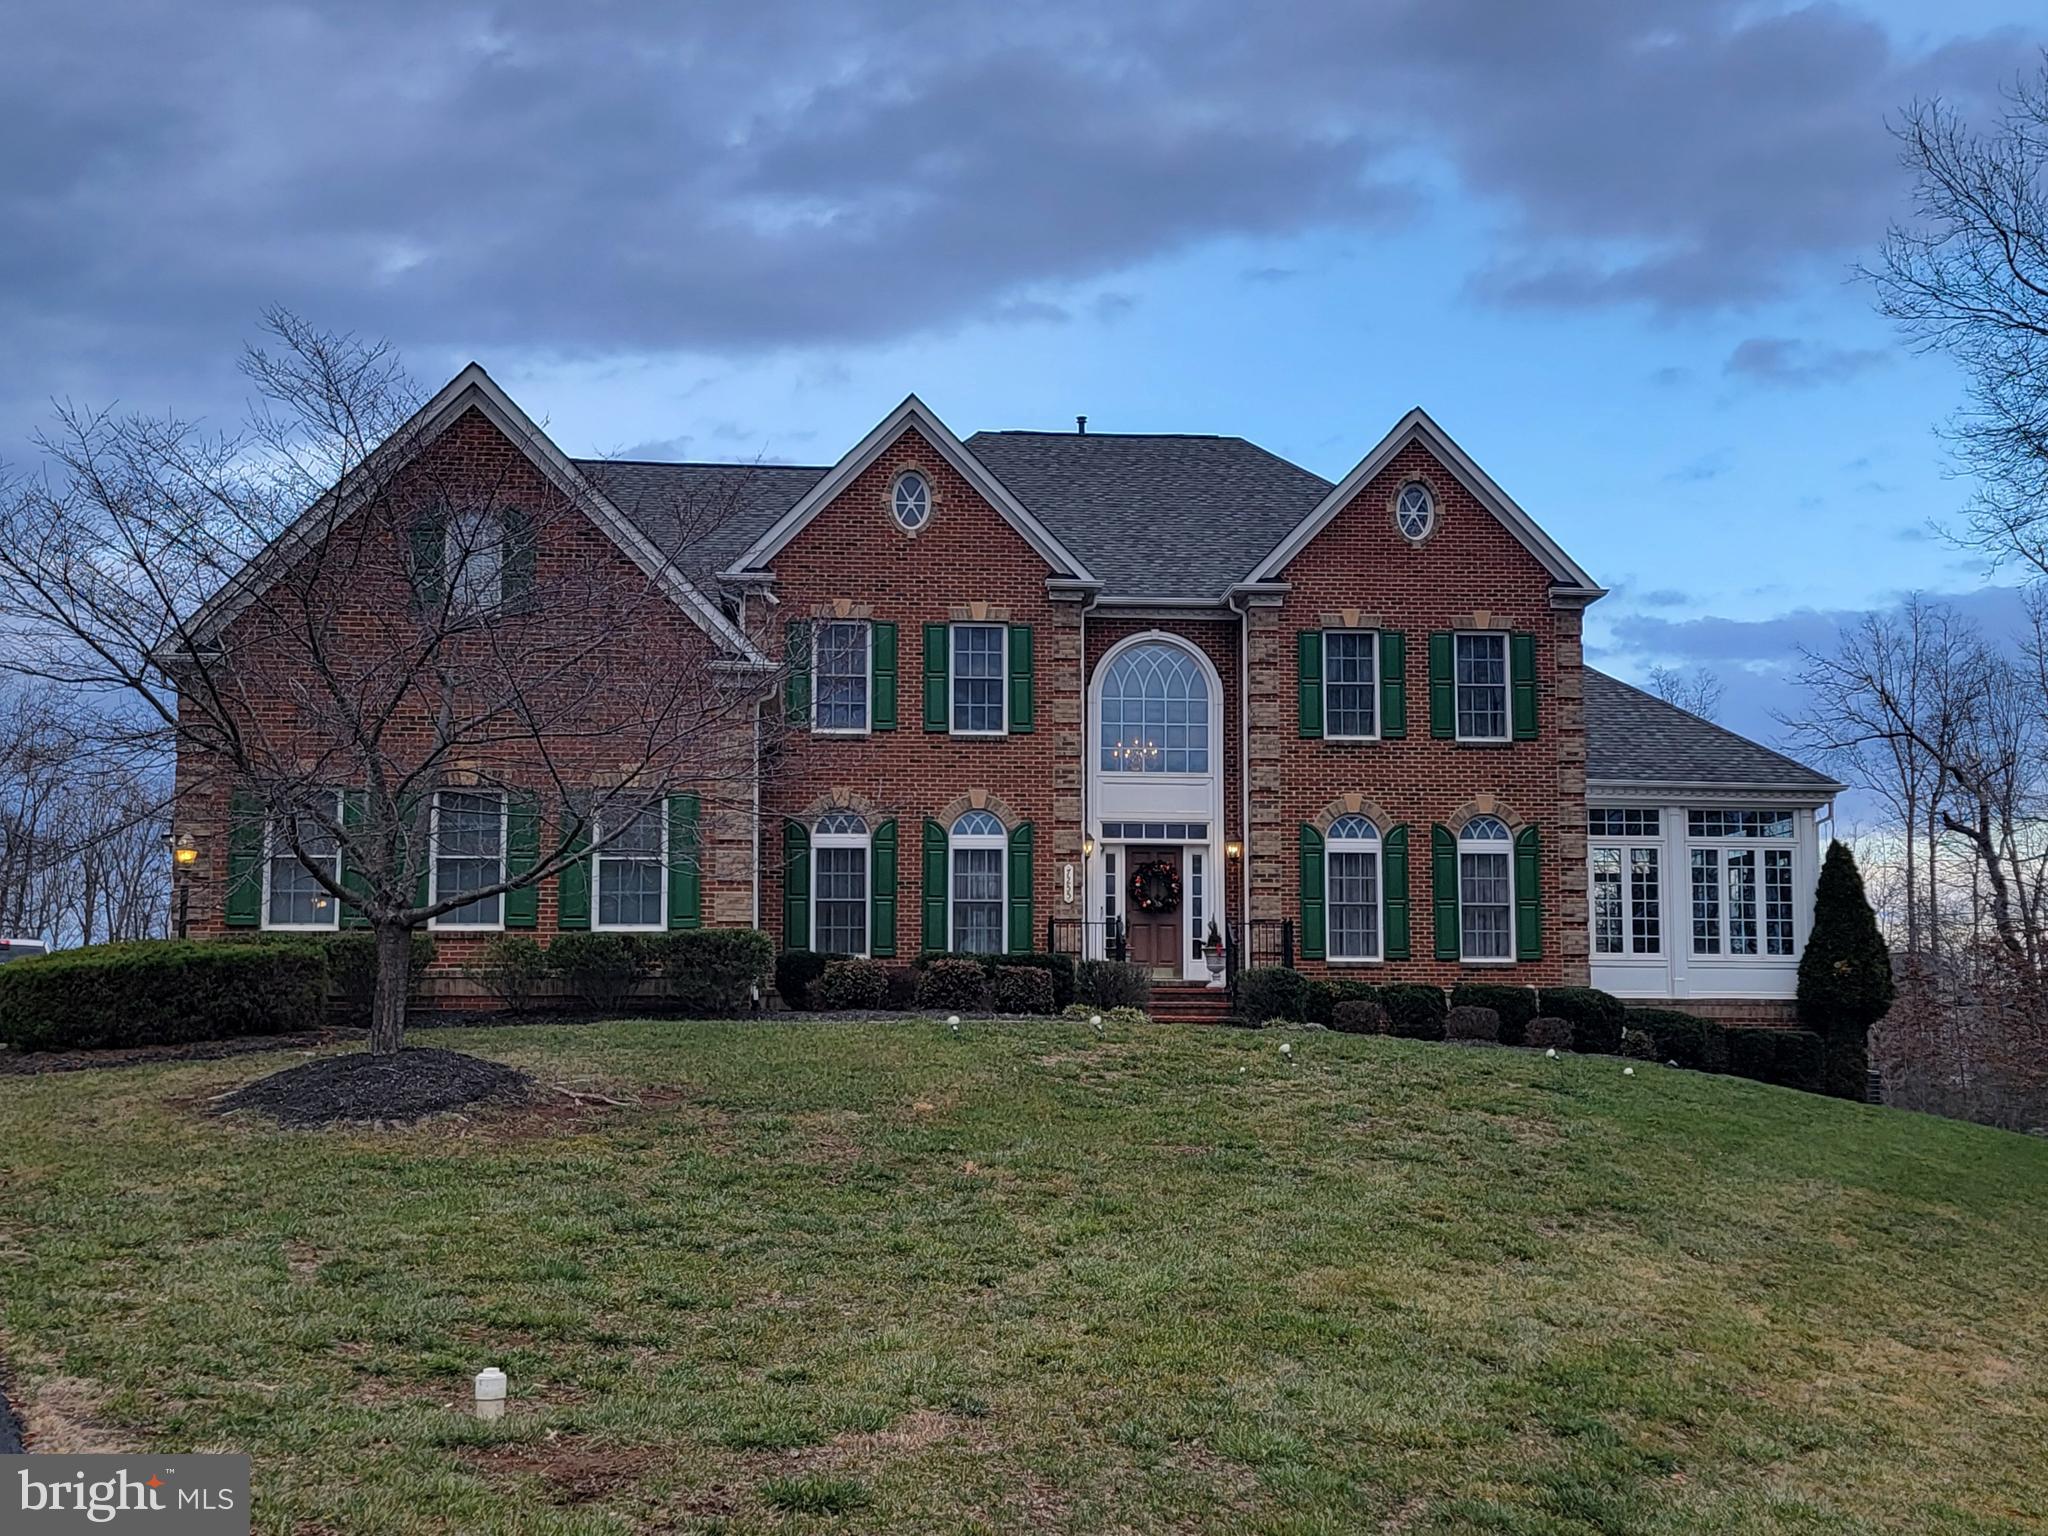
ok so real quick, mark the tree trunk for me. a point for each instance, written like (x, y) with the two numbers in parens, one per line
(394, 983)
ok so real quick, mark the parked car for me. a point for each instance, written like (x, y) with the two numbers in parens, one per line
(21, 949)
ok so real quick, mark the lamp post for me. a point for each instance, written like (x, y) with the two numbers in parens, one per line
(184, 854)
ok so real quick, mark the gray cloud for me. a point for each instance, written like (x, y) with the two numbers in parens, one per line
(1775, 642)
(1782, 361)
(585, 181)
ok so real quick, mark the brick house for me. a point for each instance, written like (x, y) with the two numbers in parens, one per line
(1110, 692)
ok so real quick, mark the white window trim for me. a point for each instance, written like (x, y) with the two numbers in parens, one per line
(997, 840)
(929, 498)
(865, 841)
(270, 853)
(441, 924)
(1507, 686)
(1489, 845)
(659, 809)
(1372, 673)
(953, 677)
(1726, 954)
(1376, 848)
(1624, 844)
(867, 727)
(1429, 526)
(455, 560)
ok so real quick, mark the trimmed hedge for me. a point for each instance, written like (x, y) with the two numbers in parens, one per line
(1468, 1021)
(901, 994)
(1515, 1005)
(1360, 1016)
(1326, 993)
(852, 984)
(1791, 1058)
(1272, 992)
(1596, 1017)
(1113, 984)
(1060, 968)
(1638, 1044)
(600, 968)
(1022, 989)
(796, 970)
(160, 992)
(713, 971)
(957, 984)
(1546, 1033)
(351, 960)
(1414, 1011)
(511, 967)
(1678, 1037)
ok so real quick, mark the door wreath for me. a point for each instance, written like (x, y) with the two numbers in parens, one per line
(1155, 886)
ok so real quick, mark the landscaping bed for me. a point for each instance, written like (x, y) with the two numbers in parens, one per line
(390, 1089)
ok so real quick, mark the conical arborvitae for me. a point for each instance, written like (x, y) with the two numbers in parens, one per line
(1845, 976)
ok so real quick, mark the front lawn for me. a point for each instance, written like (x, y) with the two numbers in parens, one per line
(889, 1278)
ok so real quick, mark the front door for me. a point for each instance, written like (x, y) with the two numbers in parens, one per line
(1152, 900)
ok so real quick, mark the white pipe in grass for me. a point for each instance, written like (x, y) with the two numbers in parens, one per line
(490, 1393)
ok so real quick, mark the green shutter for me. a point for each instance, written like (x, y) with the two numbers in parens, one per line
(354, 812)
(1308, 652)
(429, 560)
(1443, 692)
(1528, 895)
(1393, 684)
(937, 703)
(244, 903)
(884, 636)
(796, 885)
(1021, 682)
(1020, 889)
(1312, 944)
(882, 893)
(572, 884)
(1443, 860)
(934, 892)
(685, 863)
(416, 836)
(521, 556)
(1396, 881)
(522, 852)
(1522, 668)
(796, 689)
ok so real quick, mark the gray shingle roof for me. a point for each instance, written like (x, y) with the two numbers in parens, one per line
(1635, 737)
(1155, 515)
(702, 516)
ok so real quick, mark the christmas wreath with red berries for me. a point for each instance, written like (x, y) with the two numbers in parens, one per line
(1155, 886)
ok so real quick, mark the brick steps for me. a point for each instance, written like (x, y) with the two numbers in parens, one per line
(1187, 1002)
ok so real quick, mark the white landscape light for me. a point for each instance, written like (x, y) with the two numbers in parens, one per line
(1628, 1071)
(1551, 1054)
(490, 1393)
(953, 1019)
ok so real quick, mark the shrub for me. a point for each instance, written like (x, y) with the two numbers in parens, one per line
(1272, 992)
(1753, 1053)
(511, 967)
(901, 994)
(953, 984)
(600, 968)
(1471, 1022)
(1326, 993)
(1638, 1045)
(1515, 1005)
(796, 969)
(1546, 1032)
(713, 972)
(351, 960)
(160, 992)
(1129, 1018)
(1059, 967)
(1677, 1037)
(1596, 1017)
(1845, 976)
(1414, 1012)
(1113, 984)
(1022, 989)
(1360, 1016)
(862, 984)
(1791, 1058)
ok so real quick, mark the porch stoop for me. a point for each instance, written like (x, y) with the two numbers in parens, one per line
(1188, 1002)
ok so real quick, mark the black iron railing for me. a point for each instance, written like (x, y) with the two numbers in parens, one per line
(1262, 941)
(1081, 936)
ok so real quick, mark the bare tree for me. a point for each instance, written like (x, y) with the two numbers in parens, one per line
(384, 647)
(1697, 692)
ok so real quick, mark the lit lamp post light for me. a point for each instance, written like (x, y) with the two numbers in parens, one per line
(184, 854)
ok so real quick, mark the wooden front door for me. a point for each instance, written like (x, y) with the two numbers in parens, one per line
(1154, 936)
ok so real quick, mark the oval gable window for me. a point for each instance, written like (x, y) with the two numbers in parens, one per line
(910, 500)
(1415, 511)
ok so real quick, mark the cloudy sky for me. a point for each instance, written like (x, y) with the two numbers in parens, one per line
(1608, 245)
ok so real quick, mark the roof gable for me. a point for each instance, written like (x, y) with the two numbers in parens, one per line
(471, 389)
(1568, 579)
(912, 413)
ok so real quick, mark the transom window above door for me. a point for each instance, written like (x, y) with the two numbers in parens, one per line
(1155, 712)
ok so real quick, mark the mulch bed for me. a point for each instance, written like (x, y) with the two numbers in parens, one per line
(359, 1088)
(31, 1063)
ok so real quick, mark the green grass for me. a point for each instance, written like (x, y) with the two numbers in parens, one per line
(886, 1278)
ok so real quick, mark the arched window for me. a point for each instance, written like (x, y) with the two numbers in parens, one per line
(1486, 890)
(839, 884)
(1353, 872)
(980, 846)
(1155, 712)
(910, 500)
